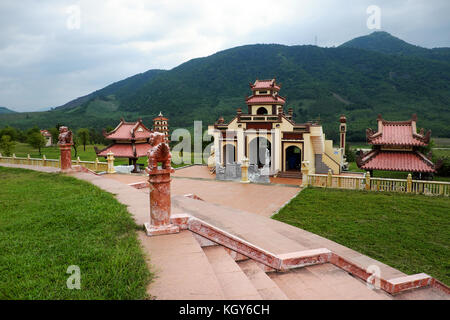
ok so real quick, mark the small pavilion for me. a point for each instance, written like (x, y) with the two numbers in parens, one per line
(129, 140)
(395, 147)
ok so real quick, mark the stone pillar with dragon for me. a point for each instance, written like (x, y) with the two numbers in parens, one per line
(159, 181)
(65, 142)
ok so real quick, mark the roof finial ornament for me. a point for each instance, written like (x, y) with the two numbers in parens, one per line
(414, 117)
(160, 114)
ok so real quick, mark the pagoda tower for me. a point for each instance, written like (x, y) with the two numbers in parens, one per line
(161, 124)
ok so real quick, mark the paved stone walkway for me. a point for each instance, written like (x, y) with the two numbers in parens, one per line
(181, 268)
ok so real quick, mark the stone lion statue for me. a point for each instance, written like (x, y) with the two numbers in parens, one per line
(65, 136)
(158, 152)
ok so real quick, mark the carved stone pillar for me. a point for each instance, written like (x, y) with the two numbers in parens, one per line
(159, 181)
(66, 157)
(65, 143)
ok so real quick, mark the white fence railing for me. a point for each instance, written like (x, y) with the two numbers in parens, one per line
(379, 184)
(91, 165)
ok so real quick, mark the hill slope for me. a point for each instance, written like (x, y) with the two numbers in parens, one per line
(4, 110)
(381, 41)
(318, 82)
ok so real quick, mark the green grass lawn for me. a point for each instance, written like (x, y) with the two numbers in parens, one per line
(408, 232)
(49, 222)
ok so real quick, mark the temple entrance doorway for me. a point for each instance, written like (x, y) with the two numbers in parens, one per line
(293, 156)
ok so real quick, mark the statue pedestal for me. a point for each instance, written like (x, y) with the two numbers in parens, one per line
(66, 157)
(160, 203)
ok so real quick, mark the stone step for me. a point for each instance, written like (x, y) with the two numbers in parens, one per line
(267, 289)
(288, 174)
(182, 270)
(324, 282)
(234, 282)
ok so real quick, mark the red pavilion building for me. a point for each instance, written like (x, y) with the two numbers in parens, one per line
(395, 147)
(129, 140)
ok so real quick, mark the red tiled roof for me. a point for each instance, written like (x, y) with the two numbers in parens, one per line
(125, 150)
(265, 99)
(396, 134)
(265, 84)
(46, 133)
(397, 161)
(159, 118)
(126, 130)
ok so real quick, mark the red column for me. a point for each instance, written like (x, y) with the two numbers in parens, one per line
(66, 157)
(160, 203)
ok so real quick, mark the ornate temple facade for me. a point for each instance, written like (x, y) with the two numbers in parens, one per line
(128, 140)
(395, 147)
(270, 138)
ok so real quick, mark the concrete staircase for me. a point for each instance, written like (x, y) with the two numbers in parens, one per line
(290, 174)
(240, 278)
(321, 168)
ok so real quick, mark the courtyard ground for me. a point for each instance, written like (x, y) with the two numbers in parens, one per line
(201, 276)
(49, 222)
(408, 232)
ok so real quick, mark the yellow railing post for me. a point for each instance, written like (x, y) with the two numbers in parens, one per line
(110, 159)
(96, 164)
(244, 170)
(329, 178)
(28, 159)
(367, 180)
(44, 161)
(78, 161)
(409, 183)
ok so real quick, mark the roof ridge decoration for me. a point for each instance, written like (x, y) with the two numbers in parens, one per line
(417, 138)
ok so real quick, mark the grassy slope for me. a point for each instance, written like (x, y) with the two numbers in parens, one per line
(49, 222)
(408, 232)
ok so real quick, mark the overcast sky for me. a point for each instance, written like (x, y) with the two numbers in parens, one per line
(48, 56)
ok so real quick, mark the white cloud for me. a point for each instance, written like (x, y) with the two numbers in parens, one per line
(44, 63)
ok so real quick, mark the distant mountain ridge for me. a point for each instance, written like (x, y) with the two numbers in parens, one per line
(381, 41)
(4, 110)
(352, 79)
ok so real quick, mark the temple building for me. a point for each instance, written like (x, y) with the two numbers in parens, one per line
(161, 124)
(269, 137)
(395, 147)
(48, 137)
(128, 140)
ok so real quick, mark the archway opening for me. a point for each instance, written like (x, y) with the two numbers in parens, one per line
(261, 110)
(229, 154)
(260, 151)
(293, 158)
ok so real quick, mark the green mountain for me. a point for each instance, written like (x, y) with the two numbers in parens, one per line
(317, 82)
(381, 41)
(4, 110)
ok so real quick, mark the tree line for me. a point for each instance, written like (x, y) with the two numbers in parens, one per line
(9, 136)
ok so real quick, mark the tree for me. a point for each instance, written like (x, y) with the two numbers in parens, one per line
(83, 135)
(9, 131)
(7, 145)
(55, 134)
(36, 140)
